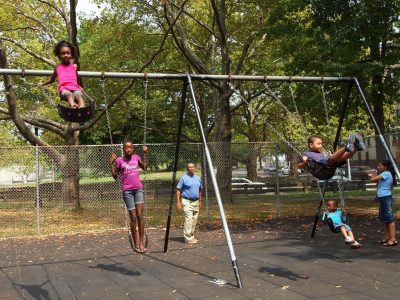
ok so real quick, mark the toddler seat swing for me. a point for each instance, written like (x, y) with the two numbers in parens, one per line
(329, 222)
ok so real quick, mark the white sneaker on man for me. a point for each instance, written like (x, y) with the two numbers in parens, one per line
(193, 241)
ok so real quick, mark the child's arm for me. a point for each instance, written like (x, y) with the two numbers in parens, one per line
(303, 164)
(143, 164)
(51, 80)
(114, 172)
(375, 178)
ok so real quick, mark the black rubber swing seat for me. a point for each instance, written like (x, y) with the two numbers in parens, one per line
(77, 115)
(320, 171)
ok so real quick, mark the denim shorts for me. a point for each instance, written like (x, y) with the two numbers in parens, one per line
(385, 209)
(338, 225)
(133, 197)
(63, 94)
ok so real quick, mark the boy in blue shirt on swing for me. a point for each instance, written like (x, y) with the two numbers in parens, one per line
(337, 216)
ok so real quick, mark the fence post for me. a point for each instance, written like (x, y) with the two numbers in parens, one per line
(37, 190)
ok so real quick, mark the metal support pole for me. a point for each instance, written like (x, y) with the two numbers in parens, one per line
(177, 150)
(151, 76)
(335, 143)
(277, 193)
(381, 137)
(215, 185)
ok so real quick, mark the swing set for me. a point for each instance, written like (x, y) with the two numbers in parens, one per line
(187, 84)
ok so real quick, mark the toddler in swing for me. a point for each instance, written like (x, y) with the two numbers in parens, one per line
(66, 73)
(337, 216)
(317, 154)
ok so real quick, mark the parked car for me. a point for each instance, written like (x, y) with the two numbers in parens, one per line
(244, 183)
(360, 172)
(336, 178)
(270, 170)
(286, 171)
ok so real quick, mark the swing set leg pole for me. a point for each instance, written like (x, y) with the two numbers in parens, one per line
(377, 128)
(318, 211)
(215, 186)
(177, 150)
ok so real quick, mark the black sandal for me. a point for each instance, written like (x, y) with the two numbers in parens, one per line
(383, 241)
(390, 243)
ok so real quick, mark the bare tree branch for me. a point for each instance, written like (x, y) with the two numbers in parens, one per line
(197, 21)
(29, 51)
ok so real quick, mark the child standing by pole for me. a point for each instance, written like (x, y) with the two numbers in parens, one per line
(385, 179)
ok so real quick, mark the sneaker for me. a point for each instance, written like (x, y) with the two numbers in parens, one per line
(191, 241)
(348, 241)
(349, 146)
(355, 245)
(359, 143)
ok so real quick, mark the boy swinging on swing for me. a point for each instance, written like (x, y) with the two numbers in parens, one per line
(322, 164)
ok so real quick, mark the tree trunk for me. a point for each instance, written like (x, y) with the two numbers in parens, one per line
(70, 171)
(251, 165)
(223, 150)
(378, 99)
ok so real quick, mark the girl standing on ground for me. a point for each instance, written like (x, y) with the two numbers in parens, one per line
(385, 179)
(66, 73)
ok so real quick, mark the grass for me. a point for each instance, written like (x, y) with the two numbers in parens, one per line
(20, 218)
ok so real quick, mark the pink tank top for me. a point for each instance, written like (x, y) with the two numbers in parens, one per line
(67, 78)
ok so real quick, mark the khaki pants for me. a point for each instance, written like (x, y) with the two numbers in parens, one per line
(191, 211)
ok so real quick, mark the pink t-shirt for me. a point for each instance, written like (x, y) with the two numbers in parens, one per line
(67, 78)
(129, 172)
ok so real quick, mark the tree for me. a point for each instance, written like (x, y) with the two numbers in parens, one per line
(34, 27)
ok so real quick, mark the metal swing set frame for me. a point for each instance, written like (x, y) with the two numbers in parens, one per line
(187, 83)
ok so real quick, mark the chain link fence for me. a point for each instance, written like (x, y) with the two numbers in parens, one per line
(62, 190)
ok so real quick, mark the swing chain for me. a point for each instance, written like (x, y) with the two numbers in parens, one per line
(145, 98)
(283, 139)
(103, 88)
(291, 114)
(145, 85)
(325, 102)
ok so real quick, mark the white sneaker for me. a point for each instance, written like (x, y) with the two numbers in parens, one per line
(355, 245)
(348, 240)
(191, 241)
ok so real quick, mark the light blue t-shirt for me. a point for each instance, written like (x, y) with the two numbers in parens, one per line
(336, 216)
(385, 184)
(189, 186)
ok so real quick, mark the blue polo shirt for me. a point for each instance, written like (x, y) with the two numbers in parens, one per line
(189, 186)
(385, 184)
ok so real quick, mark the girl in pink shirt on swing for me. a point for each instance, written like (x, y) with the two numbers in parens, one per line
(66, 73)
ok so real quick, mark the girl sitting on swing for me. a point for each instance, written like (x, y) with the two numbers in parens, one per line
(322, 164)
(337, 215)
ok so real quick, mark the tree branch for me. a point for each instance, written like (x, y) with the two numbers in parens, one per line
(31, 52)
(197, 21)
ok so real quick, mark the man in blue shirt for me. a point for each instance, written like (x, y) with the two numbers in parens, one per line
(188, 198)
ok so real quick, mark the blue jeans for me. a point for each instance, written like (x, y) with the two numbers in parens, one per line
(385, 209)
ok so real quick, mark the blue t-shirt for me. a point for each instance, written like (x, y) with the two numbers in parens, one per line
(385, 184)
(189, 186)
(336, 216)
(316, 156)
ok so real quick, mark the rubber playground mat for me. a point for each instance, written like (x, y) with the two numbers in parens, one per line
(277, 260)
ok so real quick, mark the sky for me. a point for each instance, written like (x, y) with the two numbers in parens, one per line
(87, 7)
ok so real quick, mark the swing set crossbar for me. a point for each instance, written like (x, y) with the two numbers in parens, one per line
(182, 76)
